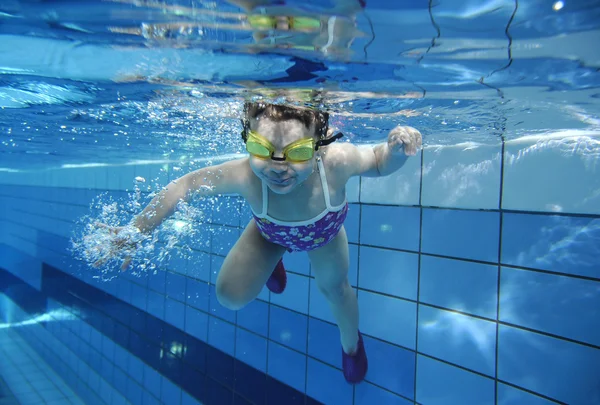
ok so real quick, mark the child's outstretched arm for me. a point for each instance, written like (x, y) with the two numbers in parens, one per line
(384, 158)
(225, 178)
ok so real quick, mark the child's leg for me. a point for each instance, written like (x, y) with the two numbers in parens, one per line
(329, 264)
(246, 268)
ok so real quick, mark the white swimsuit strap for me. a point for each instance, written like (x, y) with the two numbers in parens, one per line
(324, 184)
(265, 198)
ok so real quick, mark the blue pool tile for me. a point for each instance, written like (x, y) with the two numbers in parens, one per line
(462, 234)
(324, 342)
(120, 381)
(136, 369)
(199, 265)
(121, 358)
(171, 393)
(134, 392)
(389, 271)
(221, 335)
(177, 262)
(226, 211)
(555, 368)
(218, 394)
(352, 223)
(108, 347)
(123, 291)
(250, 382)
(255, 317)
(550, 303)
(152, 381)
(458, 176)
(194, 353)
(197, 293)
(200, 240)
(288, 328)
(105, 390)
(279, 393)
(194, 382)
(223, 239)
(117, 399)
(106, 370)
(460, 285)
(149, 399)
(549, 242)
(154, 329)
(327, 384)
(297, 262)
(390, 226)
(175, 288)
(287, 366)
(441, 384)
(175, 313)
(390, 367)
(156, 304)
(187, 399)
(219, 367)
(95, 339)
(251, 349)
(296, 294)
(389, 318)
(138, 296)
(216, 262)
(368, 394)
(240, 400)
(216, 309)
(196, 323)
(157, 281)
(460, 339)
(508, 395)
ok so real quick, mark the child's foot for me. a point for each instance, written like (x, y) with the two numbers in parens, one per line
(355, 366)
(278, 280)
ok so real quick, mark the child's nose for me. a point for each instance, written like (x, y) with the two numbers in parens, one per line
(278, 166)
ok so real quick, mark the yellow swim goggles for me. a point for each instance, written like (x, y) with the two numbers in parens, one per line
(296, 152)
(266, 22)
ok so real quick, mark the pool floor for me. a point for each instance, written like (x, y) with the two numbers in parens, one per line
(28, 379)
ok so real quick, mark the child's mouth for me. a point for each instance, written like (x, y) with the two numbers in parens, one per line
(280, 182)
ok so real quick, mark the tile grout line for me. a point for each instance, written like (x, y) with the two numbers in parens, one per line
(499, 276)
(418, 298)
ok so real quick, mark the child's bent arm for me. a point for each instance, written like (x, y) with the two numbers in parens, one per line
(382, 159)
(369, 160)
(226, 178)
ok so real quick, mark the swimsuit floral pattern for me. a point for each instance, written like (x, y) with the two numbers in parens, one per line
(306, 237)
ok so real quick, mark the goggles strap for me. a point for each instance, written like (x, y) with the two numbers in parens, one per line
(325, 142)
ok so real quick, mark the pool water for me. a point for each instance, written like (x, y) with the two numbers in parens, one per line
(475, 265)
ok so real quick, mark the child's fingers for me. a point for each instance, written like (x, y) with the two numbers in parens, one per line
(126, 263)
(111, 229)
(100, 263)
(410, 149)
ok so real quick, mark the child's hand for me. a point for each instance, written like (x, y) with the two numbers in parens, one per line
(123, 240)
(405, 140)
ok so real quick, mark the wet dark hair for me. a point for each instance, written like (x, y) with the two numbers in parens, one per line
(279, 113)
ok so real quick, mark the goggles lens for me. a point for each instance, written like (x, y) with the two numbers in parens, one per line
(258, 150)
(300, 153)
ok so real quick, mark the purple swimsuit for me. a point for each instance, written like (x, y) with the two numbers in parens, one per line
(302, 236)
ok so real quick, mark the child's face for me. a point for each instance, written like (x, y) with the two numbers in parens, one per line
(281, 176)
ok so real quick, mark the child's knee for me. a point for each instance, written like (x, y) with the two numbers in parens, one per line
(229, 296)
(335, 291)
